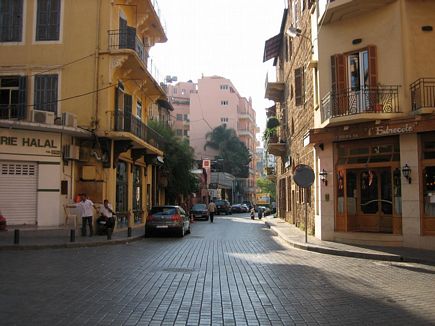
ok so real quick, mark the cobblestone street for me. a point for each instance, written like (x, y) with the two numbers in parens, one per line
(231, 272)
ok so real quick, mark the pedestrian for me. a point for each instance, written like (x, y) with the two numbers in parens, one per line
(86, 210)
(252, 213)
(260, 212)
(106, 220)
(211, 210)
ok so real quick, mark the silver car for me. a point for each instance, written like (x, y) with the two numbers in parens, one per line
(167, 218)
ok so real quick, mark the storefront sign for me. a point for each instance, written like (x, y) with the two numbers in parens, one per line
(387, 130)
(26, 142)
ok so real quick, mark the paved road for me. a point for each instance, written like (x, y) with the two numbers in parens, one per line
(231, 272)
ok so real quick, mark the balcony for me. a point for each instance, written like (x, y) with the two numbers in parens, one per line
(423, 96)
(271, 112)
(245, 132)
(276, 147)
(244, 115)
(338, 10)
(140, 65)
(125, 126)
(274, 90)
(368, 104)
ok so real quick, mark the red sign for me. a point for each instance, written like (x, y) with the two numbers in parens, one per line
(205, 164)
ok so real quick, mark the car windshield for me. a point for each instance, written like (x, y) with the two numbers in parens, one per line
(199, 207)
(163, 210)
(220, 202)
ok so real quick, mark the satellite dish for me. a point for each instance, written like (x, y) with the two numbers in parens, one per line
(303, 175)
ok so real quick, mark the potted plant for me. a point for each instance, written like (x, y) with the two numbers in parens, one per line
(272, 122)
(270, 135)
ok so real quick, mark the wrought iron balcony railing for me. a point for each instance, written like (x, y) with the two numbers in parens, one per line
(423, 93)
(381, 99)
(129, 123)
(120, 39)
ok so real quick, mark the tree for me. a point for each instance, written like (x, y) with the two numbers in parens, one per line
(267, 186)
(233, 156)
(178, 163)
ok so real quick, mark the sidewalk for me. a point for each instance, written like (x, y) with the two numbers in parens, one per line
(296, 238)
(34, 238)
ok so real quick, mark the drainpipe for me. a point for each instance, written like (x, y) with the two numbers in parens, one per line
(97, 64)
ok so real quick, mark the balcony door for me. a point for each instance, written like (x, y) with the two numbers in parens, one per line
(358, 81)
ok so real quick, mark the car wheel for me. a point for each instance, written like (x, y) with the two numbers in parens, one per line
(188, 230)
(181, 232)
(147, 233)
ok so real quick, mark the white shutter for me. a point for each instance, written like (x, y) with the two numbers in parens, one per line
(18, 192)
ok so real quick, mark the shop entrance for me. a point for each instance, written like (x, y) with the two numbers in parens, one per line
(370, 200)
(368, 188)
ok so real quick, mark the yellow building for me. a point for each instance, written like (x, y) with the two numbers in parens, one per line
(77, 85)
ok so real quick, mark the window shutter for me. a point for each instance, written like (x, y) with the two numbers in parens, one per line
(48, 20)
(131, 38)
(128, 104)
(22, 84)
(299, 91)
(373, 69)
(338, 73)
(122, 33)
(11, 20)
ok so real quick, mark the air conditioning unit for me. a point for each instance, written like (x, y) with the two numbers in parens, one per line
(71, 152)
(69, 119)
(42, 117)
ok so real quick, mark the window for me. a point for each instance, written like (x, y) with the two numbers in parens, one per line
(186, 117)
(48, 20)
(11, 20)
(295, 13)
(183, 91)
(186, 132)
(224, 120)
(224, 87)
(175, 91)
(12, 97)
(299, 86)
(139, 109)
(179, 132)
(179, 117)
(46, 93)
(224, 103)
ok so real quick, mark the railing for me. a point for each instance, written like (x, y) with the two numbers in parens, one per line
(382, 99)
(423, 93)
(159, 14)
(13, 111)
(129, 123)
(119, 39)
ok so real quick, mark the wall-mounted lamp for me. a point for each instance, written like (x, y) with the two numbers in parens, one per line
(406, 172)
(294, 32)
(324, 177)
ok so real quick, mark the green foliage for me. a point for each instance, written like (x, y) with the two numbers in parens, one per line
(267, 186)
(178, 163)
(269, 132)
(233, 152)
(272, 122)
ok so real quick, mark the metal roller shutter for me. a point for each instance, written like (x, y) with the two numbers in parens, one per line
(18, 192)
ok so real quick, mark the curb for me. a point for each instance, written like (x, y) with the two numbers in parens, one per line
(70, 245)
(348, 253)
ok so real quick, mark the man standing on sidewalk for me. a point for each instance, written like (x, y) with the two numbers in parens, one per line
(211, 210)
(87, 213)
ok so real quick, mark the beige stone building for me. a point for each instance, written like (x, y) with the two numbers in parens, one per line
(77, 85)
(373, 136)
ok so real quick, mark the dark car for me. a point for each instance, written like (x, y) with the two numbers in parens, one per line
(167, 218)
(199, 211)
(239, 208)
(223, 206)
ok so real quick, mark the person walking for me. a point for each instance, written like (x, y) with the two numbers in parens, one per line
(211, 210)
(87, 213)
(252, 213)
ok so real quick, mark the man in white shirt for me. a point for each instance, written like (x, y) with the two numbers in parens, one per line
(87, 212)
(106, 218)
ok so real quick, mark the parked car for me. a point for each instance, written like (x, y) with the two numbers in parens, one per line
(167, 218)
(199, 211)
(239, 208)
(223, 206)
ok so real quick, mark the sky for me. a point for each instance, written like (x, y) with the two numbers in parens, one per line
(224, 38)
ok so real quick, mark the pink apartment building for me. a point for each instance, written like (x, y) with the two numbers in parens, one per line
(201, 107)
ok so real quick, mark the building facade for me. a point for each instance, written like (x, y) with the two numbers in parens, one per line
(211, 102)
(76, 88)
(372, 139)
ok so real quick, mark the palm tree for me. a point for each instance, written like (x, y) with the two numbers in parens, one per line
(231, 151)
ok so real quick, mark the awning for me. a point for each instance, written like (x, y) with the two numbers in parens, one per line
(165, 104)
(272, 47)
